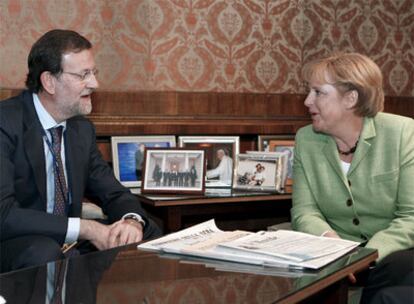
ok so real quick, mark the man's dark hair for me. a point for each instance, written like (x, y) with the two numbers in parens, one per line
(46, 54)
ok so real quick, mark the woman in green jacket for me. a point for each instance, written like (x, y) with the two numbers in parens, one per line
(354, 169)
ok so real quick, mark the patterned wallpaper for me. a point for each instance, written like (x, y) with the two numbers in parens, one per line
(215, 45)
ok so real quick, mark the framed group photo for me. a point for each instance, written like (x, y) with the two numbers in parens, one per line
(221, 151)
(128, 155)
(280, 143)
(173, 171)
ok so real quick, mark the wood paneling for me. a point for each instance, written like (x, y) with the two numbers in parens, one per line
(203, 113)
(119, 113)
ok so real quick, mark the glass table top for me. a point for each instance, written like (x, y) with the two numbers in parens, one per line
(129, 275)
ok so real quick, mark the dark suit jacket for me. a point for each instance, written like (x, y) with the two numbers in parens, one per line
(82, 278)
(23, 175)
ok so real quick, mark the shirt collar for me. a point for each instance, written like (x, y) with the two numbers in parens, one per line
(45, 118)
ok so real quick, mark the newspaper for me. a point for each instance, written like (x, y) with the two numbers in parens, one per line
(283, 249)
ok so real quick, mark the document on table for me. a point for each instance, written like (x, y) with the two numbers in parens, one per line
(287, 244)
(280, 248)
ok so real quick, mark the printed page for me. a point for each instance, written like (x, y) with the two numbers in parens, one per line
(322, 261)
(201, 241)
(177, 240)
(290, 245)
(281, 249)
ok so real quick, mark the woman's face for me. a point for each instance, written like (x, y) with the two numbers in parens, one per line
(326, 106)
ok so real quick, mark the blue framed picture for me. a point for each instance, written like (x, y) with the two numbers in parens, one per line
(128, 154)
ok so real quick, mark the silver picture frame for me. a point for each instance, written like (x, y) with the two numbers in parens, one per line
(221, 151)
(260, 171)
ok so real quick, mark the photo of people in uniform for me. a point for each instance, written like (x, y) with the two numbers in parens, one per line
(174, 170)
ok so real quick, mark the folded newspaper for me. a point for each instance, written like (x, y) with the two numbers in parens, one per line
(282, 248)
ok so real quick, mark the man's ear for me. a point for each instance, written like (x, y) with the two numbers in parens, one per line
(351, 98)
(48, 82)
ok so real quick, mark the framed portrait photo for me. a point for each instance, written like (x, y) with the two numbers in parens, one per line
(173, 171)
(221, 151)
(280, 143)
(260, 171)
(128, 155)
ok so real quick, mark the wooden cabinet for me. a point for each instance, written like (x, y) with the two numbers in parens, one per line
(231, 209)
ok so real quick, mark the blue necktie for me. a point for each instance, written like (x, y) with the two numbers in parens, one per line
(61, 190)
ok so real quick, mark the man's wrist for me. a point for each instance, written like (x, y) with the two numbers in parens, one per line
(85, 229)
(72, 233)
(134, 223)
(134, 217)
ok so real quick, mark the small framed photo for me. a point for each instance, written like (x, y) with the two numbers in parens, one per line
(173, 171)
(260, 171)
(221, 151)
(128, 155)
(280, 143)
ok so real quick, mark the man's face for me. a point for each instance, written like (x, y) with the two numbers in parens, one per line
(220, 154)
(72, 94)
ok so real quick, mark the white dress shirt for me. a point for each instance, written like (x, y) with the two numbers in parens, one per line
(48, 122)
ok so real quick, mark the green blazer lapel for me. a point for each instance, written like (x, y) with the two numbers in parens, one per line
(331, 155)
(368, 131)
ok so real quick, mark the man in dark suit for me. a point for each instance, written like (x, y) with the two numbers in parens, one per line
(45, 174)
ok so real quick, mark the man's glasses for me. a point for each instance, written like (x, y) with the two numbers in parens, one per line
(86, 75)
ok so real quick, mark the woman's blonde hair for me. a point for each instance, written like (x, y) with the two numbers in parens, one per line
(347, 72)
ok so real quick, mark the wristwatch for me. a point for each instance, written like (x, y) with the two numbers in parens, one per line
(135, 218)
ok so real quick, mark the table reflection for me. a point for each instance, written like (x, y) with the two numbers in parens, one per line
(128, 275)
(77, 283)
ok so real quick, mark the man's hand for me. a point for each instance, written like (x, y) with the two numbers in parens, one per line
(125, 232)
(104, 237)
(96, 233)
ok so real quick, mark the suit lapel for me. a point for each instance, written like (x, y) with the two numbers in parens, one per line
(34, 148)
(73, 153)
(364, 146)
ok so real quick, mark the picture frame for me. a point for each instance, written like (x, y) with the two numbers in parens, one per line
(178, 171)
(128, 155)
(221, 151)
(279, 143)
(260, 171)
